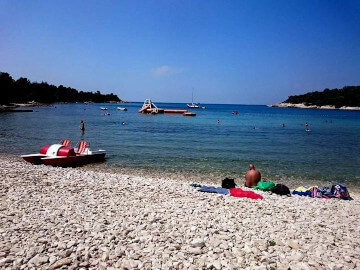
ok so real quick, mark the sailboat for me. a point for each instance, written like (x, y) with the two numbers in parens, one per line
(193, 105)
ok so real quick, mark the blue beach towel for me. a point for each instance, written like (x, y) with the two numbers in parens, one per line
(217, 190)
(305, 193)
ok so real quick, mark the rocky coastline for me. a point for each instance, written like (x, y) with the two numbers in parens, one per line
(66, 218)
(303, 106)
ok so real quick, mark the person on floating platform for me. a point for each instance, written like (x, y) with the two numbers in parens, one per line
(252, 176)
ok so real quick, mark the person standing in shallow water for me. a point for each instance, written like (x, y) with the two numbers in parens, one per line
(252, 176)
(82, 126)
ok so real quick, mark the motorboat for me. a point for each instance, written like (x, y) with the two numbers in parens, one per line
(103, 108)
(121, 109)
(64, 155)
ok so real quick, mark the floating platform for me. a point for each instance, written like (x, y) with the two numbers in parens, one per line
(175, 111)
(151, 108)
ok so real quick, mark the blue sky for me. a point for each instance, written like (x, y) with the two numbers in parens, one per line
(245, 52)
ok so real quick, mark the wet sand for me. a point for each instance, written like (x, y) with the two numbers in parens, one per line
(65, 218)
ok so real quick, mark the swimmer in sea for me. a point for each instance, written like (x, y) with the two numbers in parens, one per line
(283, 125)
(82, 125)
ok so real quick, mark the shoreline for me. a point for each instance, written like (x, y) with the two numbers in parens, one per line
(210, 178)
(303, 106)
(73, 218)
(13, 106)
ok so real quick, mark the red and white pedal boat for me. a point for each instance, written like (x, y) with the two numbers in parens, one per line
(64, 155)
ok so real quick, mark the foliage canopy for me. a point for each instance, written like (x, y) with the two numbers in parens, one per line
(22, 90)
(348, 96)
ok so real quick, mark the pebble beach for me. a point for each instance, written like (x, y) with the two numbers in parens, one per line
(73, 218)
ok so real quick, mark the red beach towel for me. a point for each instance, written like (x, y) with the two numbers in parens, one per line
(238, 192)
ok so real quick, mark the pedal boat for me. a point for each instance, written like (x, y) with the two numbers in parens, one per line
(64, 156)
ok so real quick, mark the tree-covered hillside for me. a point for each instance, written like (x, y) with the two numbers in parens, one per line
(22, 90)
(348, 96)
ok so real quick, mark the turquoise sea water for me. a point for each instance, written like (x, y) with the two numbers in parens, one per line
(199, 145)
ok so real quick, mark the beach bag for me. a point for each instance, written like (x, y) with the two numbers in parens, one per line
(340, 191)
(228, 183)
(281, 189)
(264, 185)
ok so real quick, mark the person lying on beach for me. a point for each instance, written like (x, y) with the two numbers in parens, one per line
(252, 176)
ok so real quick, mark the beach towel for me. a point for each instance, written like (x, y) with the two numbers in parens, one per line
(217, 190)
(304, 189)
(300, 189)
(324, 192)
(314, 192)
(238, 192)
(340, 192)
(302, 193)
(266, 186)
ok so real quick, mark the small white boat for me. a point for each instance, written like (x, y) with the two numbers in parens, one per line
(193, 105)
(121, 109)
(103, 108)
